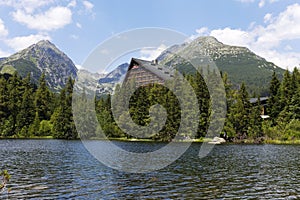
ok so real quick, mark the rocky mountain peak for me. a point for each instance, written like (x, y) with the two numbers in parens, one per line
(41, 57)
(207, 40)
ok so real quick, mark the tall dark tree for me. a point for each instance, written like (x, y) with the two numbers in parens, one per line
(26, 114)
(274, 100)
(43, 100)
(239, 112)
(63, 123)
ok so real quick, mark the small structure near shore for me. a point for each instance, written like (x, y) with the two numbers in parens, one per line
(217, 140)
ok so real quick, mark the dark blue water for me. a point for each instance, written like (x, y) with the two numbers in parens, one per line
(56, 169)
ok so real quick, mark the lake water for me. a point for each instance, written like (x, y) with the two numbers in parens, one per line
(57, 169)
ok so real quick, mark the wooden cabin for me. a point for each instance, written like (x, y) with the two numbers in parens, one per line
(147, 72)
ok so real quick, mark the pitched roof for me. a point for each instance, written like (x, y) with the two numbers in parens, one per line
(254, 100)
(153, 67)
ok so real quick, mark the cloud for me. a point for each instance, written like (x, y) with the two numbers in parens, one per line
(72, 4)
(29, 6)
(78, 66)
(3, 30)
(78, 25)
(75, 37)
(268, 17)
(22, 42)
(267, 40)
(202, 31)
(246, 1)
(4, 54)
(88, 5)
(150, 53)
(52, 19)
(261, 3)
(232, 36)
(199, 32)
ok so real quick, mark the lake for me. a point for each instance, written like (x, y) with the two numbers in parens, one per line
(58, 169)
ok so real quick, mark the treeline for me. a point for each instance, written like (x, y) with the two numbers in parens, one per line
(243, 120)
(283, 108)
(28, 111)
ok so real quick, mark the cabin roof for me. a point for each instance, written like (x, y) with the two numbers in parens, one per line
(262, 99)
(152, 66)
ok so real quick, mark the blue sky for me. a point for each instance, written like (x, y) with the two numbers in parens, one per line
(270, 28)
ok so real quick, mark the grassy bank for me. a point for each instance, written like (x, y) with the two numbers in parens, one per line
(28, 138)
(200, 140)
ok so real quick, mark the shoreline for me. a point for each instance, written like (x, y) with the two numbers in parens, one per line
(200, 140)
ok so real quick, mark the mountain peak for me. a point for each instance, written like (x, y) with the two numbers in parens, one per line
(41, 42)
(207, 42)
(42, 57)
(46, 44)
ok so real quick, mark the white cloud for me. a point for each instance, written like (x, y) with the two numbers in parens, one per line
(4, 54)
(246, 1)
(78, 25)
(268, 18)
(54, 18)
(72, 4)
(266, 40)
(75, 37)
(29, 6)
(261, 3)
(3, 30)
(288, 48)
(203, 31)
(151, 54)
(78, 66)
(22, 42)
(88, 5)
(232, 36)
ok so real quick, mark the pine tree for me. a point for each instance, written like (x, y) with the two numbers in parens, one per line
(14, 103)
(274, 100)
(62, 119)
(43, 100)
(285, 90)
(255, 121)
(35, 126)
(239, 113)
(4, 98)
(27, 110)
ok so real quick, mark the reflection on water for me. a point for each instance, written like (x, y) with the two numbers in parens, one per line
(51, 169)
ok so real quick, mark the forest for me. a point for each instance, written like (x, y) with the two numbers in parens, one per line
(34, 111)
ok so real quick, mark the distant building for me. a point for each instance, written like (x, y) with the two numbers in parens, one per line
(264, 105)
(147, 72)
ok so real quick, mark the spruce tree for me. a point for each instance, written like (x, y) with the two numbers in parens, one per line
(27, 110)
(274, 106)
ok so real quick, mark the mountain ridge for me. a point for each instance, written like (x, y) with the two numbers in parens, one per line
(240, 63)
(42, 57)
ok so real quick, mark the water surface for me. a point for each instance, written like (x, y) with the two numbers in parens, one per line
(58, 169)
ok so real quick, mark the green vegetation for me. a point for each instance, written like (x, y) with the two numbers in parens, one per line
(30, 111)
(4, 179)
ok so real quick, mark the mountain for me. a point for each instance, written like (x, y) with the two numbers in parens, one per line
(115, 75)
(108, 82)
(38, 58)
(241, 64)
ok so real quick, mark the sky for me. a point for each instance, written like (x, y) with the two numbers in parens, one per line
(270, 28)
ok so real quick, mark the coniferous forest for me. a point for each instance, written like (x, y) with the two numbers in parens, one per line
(28, 110)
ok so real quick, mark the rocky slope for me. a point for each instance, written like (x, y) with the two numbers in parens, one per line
(241, 64)
(38, 58)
